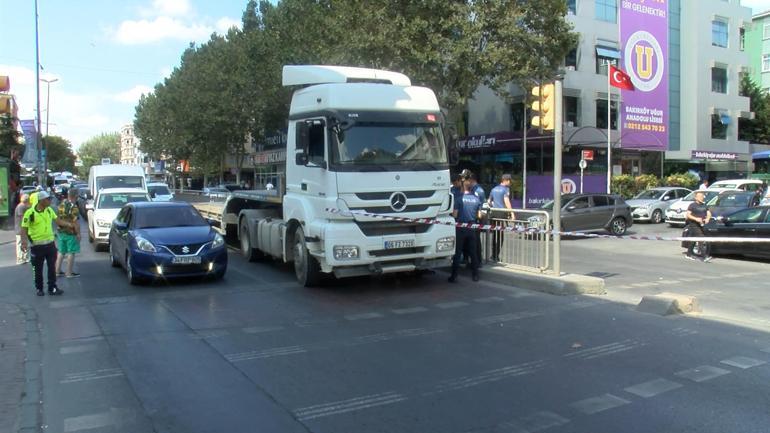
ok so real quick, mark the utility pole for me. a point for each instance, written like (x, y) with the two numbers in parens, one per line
(557, 143)
(41, 168)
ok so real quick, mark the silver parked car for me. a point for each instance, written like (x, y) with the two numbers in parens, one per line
(651, 205)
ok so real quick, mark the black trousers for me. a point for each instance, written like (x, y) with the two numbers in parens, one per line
(466, 243)
(44, 253)
(696, 231)
(497, 236)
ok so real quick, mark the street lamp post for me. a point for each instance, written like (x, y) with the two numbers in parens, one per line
(48, 101)
(41, 174)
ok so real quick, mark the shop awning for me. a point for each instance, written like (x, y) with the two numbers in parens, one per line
(607, 52)
(761, 155)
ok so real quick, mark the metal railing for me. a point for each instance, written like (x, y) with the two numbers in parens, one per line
(527, 247)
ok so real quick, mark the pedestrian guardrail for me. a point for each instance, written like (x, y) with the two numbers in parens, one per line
(528, 246)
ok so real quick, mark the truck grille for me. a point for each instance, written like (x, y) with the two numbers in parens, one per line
(386, 228)
(386, 195)
(388, 209)
(396, 252)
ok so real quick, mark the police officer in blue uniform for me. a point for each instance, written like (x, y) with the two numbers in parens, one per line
(467, 210)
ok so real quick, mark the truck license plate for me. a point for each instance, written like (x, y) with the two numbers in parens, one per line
(195, 260)
(389, 245)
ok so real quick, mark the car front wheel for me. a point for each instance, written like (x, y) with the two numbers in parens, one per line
(657, 216)
(618, 226)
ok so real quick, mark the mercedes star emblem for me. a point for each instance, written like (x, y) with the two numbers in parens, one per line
(398, 201)
(185, 249)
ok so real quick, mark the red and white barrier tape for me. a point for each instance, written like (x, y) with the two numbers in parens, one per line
(489, 227)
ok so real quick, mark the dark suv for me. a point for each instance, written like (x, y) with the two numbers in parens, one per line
(588, 212)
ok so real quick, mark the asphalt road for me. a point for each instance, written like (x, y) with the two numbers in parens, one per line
(257, 353)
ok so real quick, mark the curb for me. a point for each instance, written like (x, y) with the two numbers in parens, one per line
(567, 284)
(31, 404)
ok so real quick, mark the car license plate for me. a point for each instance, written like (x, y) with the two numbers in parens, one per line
(195, 260)
(389, 245)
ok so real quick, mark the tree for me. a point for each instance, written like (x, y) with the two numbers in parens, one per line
(105, 145)
(59, 153)
(755, 130)
(9, 137)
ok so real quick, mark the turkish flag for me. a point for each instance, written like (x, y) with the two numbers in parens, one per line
(620, 79)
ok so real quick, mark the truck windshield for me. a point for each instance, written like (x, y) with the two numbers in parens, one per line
(390, 144)
(119, 182)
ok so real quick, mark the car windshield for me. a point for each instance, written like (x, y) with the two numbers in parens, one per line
(158, 190)
(104, 182)
(650, 194)
(118, 200)
(167, 216)
(733, 200)
(389, 144)
(708, 197)
(725, 185)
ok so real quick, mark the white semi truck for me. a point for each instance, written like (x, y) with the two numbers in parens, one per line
(358, 140)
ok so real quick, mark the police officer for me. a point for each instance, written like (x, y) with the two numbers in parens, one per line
(468, 210)
(500, 198)
(37, 228)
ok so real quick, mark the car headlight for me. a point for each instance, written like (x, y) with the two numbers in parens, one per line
(345, 252)
(145, 245)
(445, 244)
(103, 223)
(218, 241)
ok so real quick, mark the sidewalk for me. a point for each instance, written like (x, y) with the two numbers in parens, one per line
(13, 338)
(7, 236)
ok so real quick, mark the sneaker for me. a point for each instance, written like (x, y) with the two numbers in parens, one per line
(73, 275)
(690, 257)
(452, 278)
(40, 293)
(60, 274)
(706, 259)
(55, 291)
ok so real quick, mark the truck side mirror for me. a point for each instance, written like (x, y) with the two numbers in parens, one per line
(300, 158)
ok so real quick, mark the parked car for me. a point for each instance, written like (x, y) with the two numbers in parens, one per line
(28, 189)
(651, 205)
(589, 212)
(728, 202)
(159, 191)
(676, 212)
(105, 208)
(84, 197)
(741, 184)
(165, 240)
(753, 222)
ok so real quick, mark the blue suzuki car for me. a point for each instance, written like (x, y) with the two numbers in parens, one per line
(160, 240)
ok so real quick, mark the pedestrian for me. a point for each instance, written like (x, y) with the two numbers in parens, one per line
(479, 192)
(37, 229)
(22, 256)
(696, 217)
(704, 185)
(457, 189)
(500, 198)
(68, 237)
(468, 210)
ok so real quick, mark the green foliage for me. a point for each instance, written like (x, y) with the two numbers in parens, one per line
(105, 145)
(624, 185)
(646, 181)
(9, 137)
(59, 153)
(755, 130)
(230, 87)
(685, 180)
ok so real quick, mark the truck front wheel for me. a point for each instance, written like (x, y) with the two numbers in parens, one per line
(306, 267)
(247, 250)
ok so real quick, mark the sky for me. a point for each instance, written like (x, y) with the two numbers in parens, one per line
(105, 54)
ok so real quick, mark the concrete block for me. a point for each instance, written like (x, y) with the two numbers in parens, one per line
(666, 304)
(567, 284)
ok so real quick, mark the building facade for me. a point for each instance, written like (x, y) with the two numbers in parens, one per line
(129, 146)
(704, 46)
(757, 46)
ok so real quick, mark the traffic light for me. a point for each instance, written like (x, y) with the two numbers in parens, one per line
(6, 104)
(544, 106)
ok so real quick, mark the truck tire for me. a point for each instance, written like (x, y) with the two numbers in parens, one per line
(248, 251)
(306, 267)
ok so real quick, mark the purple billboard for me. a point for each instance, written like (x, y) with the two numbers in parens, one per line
(540, 188)
(644, 44)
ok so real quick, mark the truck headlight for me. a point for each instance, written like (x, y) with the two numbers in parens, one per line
(145, 245)
(218, 241)
(445, 244)
(103, 223)
(345, 252)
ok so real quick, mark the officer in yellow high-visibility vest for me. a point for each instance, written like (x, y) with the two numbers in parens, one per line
(37, 229)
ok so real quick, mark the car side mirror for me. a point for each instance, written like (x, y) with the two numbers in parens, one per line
(571, 207)
(90, 206)
(120, 226)
(666, 198)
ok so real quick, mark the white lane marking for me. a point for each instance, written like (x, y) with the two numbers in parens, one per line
(87, 422)
(81, 348)
(261, 329)
(490, 320)
(489, 299)
(522, 294)
(652, 388)
(702, 373)
(604, 350)
(266, 353)
(448, 305)
(308, 323)
(488, 376)
(411, 310)
(590, 406)
(742, 362)
(91, 375)
(350, 405)
(364, 316)
(535, 422)
(682, 332)
(387, 336)
(214, 333)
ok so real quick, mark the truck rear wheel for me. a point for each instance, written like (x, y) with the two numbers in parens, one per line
(247, 250)
(306, 267)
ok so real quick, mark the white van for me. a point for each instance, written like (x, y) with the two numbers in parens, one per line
(750, 185)
(116, 176)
